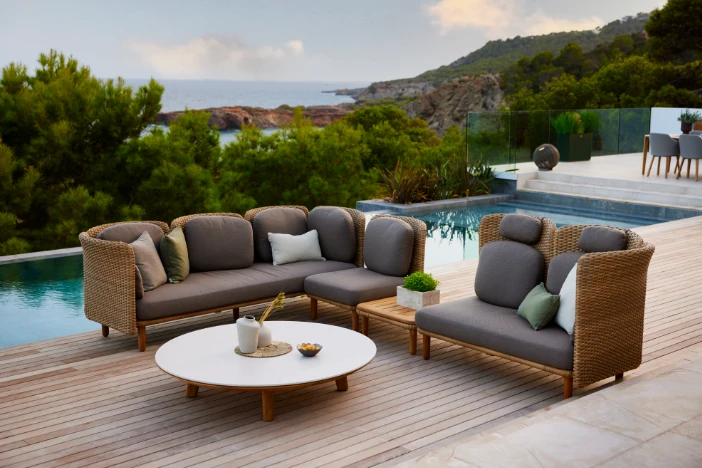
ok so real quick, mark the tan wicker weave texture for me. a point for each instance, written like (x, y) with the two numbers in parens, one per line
(108, 270)
(609, 306)
(489, 231)
(180, 222)
(251, 214)
(359, 225)
(420, 240)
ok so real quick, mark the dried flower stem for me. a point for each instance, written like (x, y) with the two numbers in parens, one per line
(275, 305)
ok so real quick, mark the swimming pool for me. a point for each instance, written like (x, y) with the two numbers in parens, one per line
(43, 299)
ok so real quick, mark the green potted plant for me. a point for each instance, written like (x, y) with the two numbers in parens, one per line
(575, 131)
(419, 290)
(687, 120)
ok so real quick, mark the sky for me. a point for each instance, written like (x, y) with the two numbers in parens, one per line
(283, 40)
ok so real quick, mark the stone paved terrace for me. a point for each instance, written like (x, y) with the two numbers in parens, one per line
(84, 400)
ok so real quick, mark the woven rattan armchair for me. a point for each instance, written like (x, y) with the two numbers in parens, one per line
(609, 310)
(109, 273)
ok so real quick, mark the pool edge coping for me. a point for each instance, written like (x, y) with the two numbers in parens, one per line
(42, 255)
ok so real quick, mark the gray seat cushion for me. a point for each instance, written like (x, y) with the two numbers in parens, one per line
(212, 289)
(277, 220)
(602, 239)
(388, 246)
(507, 271)
(498, 328)
(558, 270)
(129, 232)
(521, 228)
(219, 243)
(337, 236)
(352, 287)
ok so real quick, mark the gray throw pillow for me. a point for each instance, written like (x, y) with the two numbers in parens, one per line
(279, 221)
(558, 270)
(521, 228)
(337, 236)
(602, 239)
(129, 232)
(138, 284)
(388, 246)
(219, 243)
(149, 263)
(507, 271)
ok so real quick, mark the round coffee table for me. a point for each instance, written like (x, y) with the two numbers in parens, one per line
(206, 358)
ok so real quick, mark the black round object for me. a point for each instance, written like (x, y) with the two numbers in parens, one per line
(546, 157)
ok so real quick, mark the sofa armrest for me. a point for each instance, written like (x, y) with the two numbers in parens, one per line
(109, 283)
(609, 313)
(359, 226)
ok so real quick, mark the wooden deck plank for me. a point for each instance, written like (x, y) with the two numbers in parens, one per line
(85, 400)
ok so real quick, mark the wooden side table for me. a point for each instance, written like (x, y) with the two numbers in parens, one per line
(386, 310)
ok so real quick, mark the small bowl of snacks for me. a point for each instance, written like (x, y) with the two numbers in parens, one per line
(309, 349)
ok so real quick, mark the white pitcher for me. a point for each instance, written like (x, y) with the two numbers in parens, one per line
(247, 331)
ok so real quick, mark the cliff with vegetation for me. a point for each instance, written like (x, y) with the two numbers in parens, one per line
(234, 118)
(448, 105)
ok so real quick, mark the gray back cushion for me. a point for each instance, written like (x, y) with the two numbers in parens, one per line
(337, 236)
(602, 239)
(521, 228)
(388, 246)
(279, 221)
(219, 243)
(507, 271)
(559, 268)
(129, 232)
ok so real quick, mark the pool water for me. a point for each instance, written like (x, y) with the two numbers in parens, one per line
(44, 299)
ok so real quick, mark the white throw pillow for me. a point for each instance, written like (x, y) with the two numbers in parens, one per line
(565, 317)
(289, 249)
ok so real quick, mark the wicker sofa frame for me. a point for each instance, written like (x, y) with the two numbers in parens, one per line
(109, 270)
(609, 312)
(416, 264)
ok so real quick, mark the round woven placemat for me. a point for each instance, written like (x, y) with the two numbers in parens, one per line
(277, 348)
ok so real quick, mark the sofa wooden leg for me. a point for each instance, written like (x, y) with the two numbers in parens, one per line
(354, 320)
(105, 331)
(413, 341)
(364, 325)
(426, 346)
(567, 387)
(619, 376)
(141, 331)
(313, 308)
(235, 314)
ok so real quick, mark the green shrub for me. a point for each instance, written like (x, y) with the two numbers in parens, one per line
(420, 282)
(590, 121)
(565, 123)
(480, 177)
(407, 184)
(689, 117)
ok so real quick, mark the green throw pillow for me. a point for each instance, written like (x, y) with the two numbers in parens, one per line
(539, 307)
(174, 255)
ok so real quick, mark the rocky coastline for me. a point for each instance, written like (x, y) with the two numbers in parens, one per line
(234, 118)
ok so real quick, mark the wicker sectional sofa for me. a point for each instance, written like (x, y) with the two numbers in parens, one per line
(609, 300)
(230, 265)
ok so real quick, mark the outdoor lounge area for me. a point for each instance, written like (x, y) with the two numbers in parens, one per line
(86, 400)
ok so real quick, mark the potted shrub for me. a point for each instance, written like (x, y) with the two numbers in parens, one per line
(575, 131)
(687, 119)
(419, 290)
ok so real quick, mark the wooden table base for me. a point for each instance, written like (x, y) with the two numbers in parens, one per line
(268, 396)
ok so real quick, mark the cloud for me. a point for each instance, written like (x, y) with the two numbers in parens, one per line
(222, 57)
(500, 18)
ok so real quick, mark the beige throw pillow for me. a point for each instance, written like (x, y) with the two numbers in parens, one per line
(148, 262)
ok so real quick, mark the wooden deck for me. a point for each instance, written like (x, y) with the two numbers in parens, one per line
(84, 400)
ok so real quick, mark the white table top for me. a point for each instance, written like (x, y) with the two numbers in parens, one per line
(207, 356)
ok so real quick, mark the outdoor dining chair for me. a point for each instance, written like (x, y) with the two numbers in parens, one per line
(663, 146)
(690, 148)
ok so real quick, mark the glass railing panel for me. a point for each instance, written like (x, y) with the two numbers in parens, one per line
(489, 138)
(633, 125)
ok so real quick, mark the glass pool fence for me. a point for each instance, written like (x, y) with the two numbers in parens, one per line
(507, 138)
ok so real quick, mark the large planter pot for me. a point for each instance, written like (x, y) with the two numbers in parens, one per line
(415, 299)
(247, 332)
(685, 127)
(575, 147)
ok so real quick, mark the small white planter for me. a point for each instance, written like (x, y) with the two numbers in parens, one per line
(247, 331)
(415, 299)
